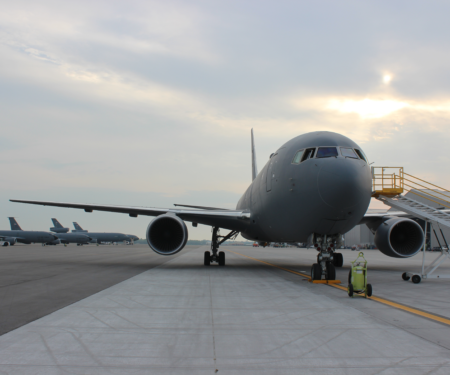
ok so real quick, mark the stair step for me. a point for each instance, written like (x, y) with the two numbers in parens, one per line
(417, 209)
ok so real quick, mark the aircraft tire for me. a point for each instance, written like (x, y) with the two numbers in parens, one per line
(316, 272)
(338, 260)
(221, 258)
(207, 258)
(331, 271)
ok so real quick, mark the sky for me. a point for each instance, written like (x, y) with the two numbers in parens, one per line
(151, 103)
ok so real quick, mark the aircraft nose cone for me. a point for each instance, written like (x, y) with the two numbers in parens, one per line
(345, 183)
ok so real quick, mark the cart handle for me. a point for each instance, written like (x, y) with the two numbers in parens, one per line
(360, 255)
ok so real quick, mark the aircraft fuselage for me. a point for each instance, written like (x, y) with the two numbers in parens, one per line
(28, 236)
(98, 237)
(325, 195)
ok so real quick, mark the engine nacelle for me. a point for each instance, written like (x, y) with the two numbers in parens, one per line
(9, 241)
(399, 237)
(167, 234)
(59, 230)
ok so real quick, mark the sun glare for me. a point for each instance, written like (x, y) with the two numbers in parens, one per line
(366, 108)
(387, 78)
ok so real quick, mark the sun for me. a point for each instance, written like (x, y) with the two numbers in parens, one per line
(387, 78)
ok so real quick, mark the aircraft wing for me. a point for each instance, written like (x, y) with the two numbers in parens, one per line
(227, 219)
(201, 207)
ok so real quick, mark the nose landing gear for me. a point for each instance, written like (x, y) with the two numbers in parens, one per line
(327, 259)
(217, 240)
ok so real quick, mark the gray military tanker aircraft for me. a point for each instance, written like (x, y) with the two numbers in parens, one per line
(10, 237)
(62, 237)
(313, 189)
(67, 238)
(101, 237)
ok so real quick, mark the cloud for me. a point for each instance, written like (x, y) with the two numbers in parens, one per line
(366, 108)
(159, 97)
(374, 109)
(85, 33)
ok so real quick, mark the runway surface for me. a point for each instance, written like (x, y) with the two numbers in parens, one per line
(37, 280)
(245, 318)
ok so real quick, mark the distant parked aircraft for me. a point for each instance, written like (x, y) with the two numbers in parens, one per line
(103, 237)
(66, 238)
(16, 234)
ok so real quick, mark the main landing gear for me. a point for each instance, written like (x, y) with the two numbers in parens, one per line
(327, 259)
(217, 240)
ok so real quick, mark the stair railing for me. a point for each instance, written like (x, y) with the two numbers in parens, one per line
(427, 190)
(388, 181)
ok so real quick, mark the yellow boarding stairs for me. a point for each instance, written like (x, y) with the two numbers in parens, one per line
(389, 184)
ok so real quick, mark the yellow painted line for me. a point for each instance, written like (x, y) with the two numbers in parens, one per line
(324, 281)
(270, 264)
(373, 298)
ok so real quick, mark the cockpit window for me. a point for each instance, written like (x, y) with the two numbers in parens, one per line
(348, 153)
(361, 155)
(298, 157)
(308, 154)
(326, 152)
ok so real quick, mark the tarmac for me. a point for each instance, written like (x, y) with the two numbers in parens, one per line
(37, 280)
(256, 315)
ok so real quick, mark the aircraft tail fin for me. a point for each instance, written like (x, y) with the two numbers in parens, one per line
(58, 228)
(14, 224)
(56, 223)
(77, 226)
(254, 166)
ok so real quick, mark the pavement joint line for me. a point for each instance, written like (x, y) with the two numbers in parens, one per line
(396, 305)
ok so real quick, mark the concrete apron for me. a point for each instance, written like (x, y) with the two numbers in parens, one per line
(244, 318)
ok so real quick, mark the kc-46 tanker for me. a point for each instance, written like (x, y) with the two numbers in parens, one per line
(313, 189)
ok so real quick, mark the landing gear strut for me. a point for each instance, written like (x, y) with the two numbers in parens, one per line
(327, 259)
(217, 240)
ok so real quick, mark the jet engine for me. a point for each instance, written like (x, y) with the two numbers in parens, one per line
(167, 234)
(399, 237)
(9, 241)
